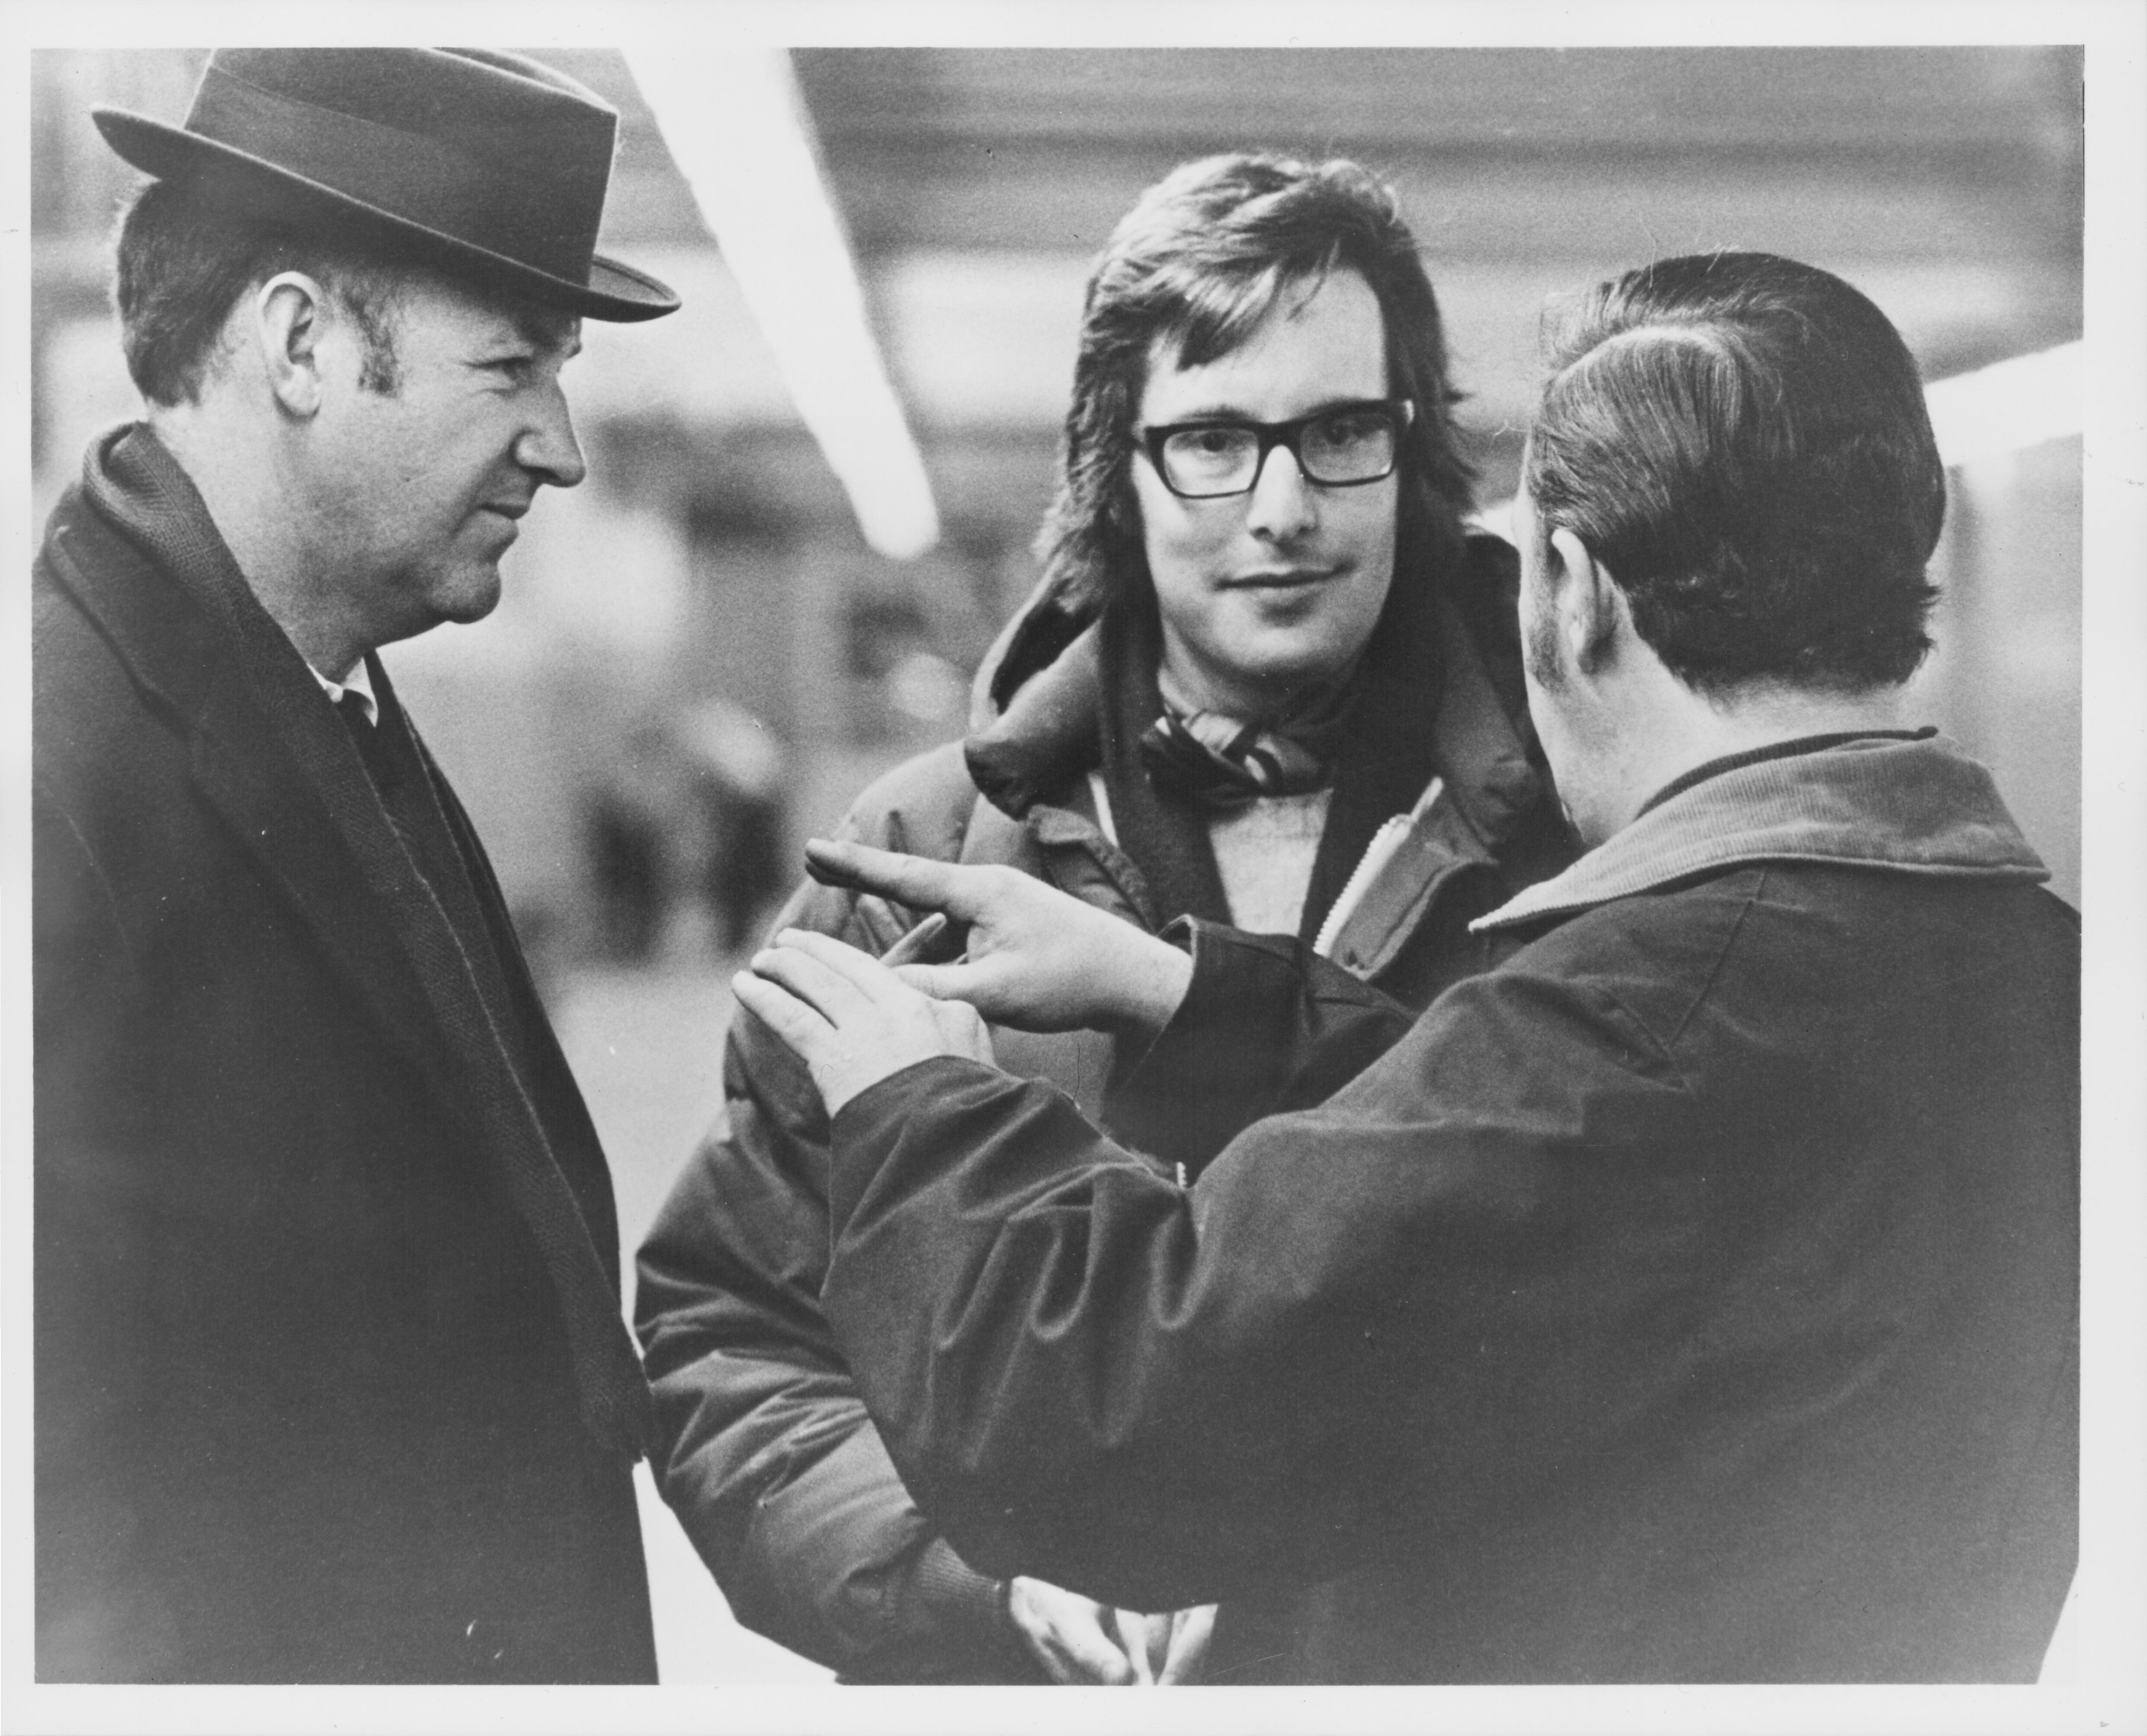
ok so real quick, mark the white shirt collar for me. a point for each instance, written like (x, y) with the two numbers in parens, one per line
(359, 682)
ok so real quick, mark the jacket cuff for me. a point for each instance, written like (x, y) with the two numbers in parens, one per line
(950, 1588)
(958, 1600)
(1214, 1069)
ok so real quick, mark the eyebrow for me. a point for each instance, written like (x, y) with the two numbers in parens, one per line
(1225, 412)
(543, 329)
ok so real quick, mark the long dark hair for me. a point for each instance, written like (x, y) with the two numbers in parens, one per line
(1198, 263)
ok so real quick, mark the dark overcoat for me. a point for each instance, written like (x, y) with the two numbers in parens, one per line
(330, 1380)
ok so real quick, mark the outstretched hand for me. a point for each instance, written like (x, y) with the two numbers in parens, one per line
(851, 1020)
(1038, 959)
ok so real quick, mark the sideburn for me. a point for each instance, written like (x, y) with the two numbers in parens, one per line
(1542, 654)
(1540, 649)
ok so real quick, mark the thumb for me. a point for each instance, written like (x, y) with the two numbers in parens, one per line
(957, 981)
(962, 1031)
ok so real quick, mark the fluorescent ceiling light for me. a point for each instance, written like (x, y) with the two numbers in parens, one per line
(737, 127)
(2007, 406)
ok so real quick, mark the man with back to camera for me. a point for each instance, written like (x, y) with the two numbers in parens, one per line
(331, 1380)
(1692, 1297)
(1262, 632)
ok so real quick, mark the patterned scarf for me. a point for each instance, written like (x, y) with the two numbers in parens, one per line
(1226, 763)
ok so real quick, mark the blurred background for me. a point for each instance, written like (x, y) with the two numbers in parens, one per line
(812, 492)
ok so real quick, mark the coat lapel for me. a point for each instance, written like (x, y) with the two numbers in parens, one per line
(308, 834)
(269, 752)
(301, 802)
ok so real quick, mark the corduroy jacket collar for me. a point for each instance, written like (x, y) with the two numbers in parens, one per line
(1917, 807)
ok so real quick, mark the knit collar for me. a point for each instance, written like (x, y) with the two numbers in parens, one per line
(1918, 806)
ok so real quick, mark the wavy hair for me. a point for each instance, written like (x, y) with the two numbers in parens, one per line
(1742, 441)
(1204, 256)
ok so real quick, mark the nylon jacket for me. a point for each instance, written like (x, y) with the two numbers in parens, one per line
(771, 1460)
(1691, 1297)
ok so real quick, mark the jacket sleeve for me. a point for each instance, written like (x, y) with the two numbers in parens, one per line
(768, 1457)
(1162, 1396)
(1267, 1025)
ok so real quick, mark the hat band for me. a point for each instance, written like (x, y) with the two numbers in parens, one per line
(415, 179)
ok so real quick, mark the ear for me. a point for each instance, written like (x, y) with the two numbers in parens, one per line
(1591, 608)
(289, 318)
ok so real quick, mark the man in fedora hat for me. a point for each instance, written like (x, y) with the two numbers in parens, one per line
(331, 1380)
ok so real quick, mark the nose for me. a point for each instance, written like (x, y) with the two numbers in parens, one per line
(1282, 504)
(548, 447)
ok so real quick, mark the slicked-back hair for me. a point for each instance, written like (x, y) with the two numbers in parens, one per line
(185, 255)
(1204, 256)
(1743, 441)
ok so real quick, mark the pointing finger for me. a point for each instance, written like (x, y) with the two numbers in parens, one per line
(917, 881)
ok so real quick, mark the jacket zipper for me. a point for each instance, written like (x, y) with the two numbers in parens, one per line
(1385, 843)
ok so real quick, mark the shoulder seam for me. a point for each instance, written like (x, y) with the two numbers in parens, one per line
(1721, 957)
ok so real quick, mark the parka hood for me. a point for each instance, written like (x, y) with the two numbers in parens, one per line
(1035, 703)
(1033, 706)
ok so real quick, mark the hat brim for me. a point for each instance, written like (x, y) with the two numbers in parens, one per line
(614, 290)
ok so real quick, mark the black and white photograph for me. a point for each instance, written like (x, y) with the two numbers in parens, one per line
(1074, 849)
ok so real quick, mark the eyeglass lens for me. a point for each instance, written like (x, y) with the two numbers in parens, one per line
(1352, 445)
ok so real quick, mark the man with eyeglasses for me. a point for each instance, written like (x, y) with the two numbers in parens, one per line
(1269, 680)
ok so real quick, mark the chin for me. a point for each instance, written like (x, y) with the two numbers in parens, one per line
(1306, 639)
(469, 596)
(1295, 659)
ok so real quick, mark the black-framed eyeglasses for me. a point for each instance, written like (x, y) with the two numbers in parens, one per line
(1340, 447)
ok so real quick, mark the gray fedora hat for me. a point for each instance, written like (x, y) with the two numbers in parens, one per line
(485, 165)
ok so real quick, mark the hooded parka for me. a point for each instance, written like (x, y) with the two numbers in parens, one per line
(771, 1460)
